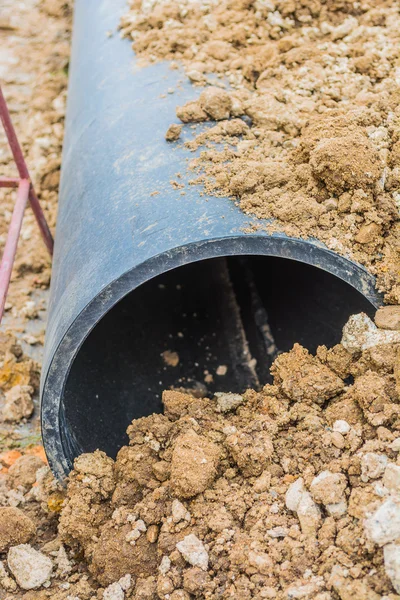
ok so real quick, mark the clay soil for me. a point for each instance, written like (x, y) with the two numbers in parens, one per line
(289, 492)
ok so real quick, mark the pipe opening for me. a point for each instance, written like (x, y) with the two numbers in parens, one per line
(214, 325)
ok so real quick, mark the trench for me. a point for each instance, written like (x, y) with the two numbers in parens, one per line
(224, 319)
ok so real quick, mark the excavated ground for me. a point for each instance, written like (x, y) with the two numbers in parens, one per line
(289, 492)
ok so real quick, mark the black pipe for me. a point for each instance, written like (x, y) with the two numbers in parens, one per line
(141, 271)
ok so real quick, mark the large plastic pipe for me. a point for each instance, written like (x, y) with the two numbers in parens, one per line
(117, 294)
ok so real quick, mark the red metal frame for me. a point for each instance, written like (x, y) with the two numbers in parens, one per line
(25, 191)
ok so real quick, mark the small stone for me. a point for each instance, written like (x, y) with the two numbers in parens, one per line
(30, 568)
(388, 317)
(391, 477)
(360, 333)
(294, 493)
(337, 510)
(383, 526)
(299, 500)
(373, 466)
(278, 532)
(227, 401)
(341, 427)
(216, 103)
(391, 556)
(337, 440)
(152, 533)
(193, 551)
(165, 565)
(179, 511)
(15, 527)
(18, 403)
(64, 566)
(113, 592)
(173, 134)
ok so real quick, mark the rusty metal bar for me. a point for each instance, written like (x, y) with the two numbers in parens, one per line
(24, 173)
(9, 182)
(10, 248)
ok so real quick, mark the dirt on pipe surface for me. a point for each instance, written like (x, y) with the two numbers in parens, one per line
(306, 98)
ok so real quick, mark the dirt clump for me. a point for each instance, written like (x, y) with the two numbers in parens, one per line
(315, 86)
(287, 492)
(15, 527)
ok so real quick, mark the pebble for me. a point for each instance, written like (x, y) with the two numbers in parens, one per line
(337, 440)
(179, 512)
(116, 591)
(193, 551)
(341, 427)
(227, 401)
(383, 526)
(373, 466)
(300, 501)
(30, 568)
(391, 557)
(360, 333)
(165, 565)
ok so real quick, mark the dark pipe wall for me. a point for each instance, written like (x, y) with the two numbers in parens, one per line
(112, 235)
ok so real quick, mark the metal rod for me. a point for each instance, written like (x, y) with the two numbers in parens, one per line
(24, 173)
(7, 260)
(9, 182)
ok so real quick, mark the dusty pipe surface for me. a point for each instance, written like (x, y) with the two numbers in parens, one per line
(132, 285)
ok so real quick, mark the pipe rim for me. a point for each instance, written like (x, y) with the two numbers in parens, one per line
(311, 252)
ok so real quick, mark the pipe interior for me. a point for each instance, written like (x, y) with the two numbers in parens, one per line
(217, 315)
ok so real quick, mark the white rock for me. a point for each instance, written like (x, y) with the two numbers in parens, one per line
(165, 565)
(361, 333)
(125, 582)
(64, 566)
(278, 532)
(337, 509)
(341, 426)
(373, 466)
(300, 501)
(179, 511)
(294, 493)
(116, 591)
(383, 526)
(227, 401)
(391, 556)
(193, 551)
(391, 477)
(304, 589)
(30, 568)
(308, 514)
